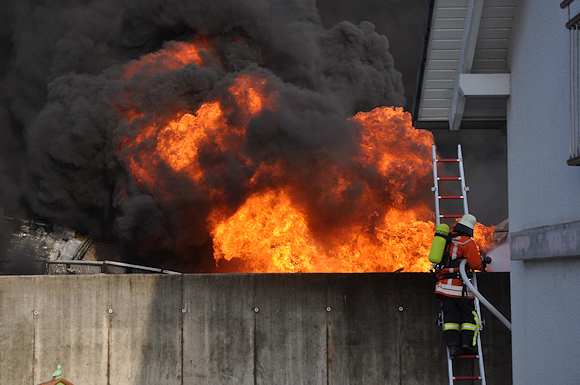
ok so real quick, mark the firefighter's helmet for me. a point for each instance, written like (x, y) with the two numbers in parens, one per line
(465, 225)
(468, 220)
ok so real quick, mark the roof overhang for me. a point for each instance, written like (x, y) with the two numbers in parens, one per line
(463, 79)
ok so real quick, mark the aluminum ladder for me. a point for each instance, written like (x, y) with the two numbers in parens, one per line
(435, 188)
(438, 217)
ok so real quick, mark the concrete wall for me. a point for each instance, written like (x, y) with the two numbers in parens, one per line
(236, 329)
(543, 193)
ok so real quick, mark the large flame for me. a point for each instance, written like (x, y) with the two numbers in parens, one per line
(271, 230)
(268, 234)
(178, 141)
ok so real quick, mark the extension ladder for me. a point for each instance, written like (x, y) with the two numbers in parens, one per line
(435, 188)
(438, 216)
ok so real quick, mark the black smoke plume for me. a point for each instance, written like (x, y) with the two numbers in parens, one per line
(64, 95)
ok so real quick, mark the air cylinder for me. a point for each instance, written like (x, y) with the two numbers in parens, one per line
(439, 242)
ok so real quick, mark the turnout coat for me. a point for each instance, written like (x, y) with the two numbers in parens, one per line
(461, 247)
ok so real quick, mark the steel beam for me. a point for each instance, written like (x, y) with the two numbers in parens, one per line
(466, 54)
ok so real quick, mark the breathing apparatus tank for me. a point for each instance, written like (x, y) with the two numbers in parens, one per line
(439, 243)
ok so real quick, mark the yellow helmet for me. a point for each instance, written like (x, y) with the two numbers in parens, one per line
(468, 220)
(465, 225)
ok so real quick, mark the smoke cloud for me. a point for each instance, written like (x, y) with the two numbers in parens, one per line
(67, 96)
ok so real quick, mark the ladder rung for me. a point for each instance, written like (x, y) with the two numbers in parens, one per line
(467, 356)
(467, 378)
(449, 178)
(447, 160)
(450, 216)
(451, 197)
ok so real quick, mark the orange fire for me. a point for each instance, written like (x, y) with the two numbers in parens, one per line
(177, 143)
(269, 234)
(483, 236)
(271, 230)
(175, 56)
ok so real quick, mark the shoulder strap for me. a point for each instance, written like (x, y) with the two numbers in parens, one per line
(446, 259)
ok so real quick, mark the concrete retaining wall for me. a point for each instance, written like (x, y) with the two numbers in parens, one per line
(236, 329)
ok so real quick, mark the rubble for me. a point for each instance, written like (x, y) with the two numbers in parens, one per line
(30, 242)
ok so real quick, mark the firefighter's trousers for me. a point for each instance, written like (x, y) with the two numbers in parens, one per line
(460, 321)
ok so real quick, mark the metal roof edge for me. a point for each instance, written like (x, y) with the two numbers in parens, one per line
(422, 61)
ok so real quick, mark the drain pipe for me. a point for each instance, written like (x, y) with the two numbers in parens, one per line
(481, 298)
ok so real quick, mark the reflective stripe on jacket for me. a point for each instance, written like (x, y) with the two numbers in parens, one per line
(462, 247)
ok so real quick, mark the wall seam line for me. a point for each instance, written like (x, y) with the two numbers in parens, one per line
(109, 333)
(182, 321)
(33, 343)
(327, 318)
(255, 321)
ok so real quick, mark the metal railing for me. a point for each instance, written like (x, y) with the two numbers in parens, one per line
(573, 26)
(102, 264)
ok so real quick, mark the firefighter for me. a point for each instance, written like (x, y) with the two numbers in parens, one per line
(460, 320)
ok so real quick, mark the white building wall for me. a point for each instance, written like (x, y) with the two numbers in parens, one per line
(538, 126)
(543, 191)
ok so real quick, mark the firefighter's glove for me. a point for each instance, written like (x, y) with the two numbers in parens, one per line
(485, 260)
